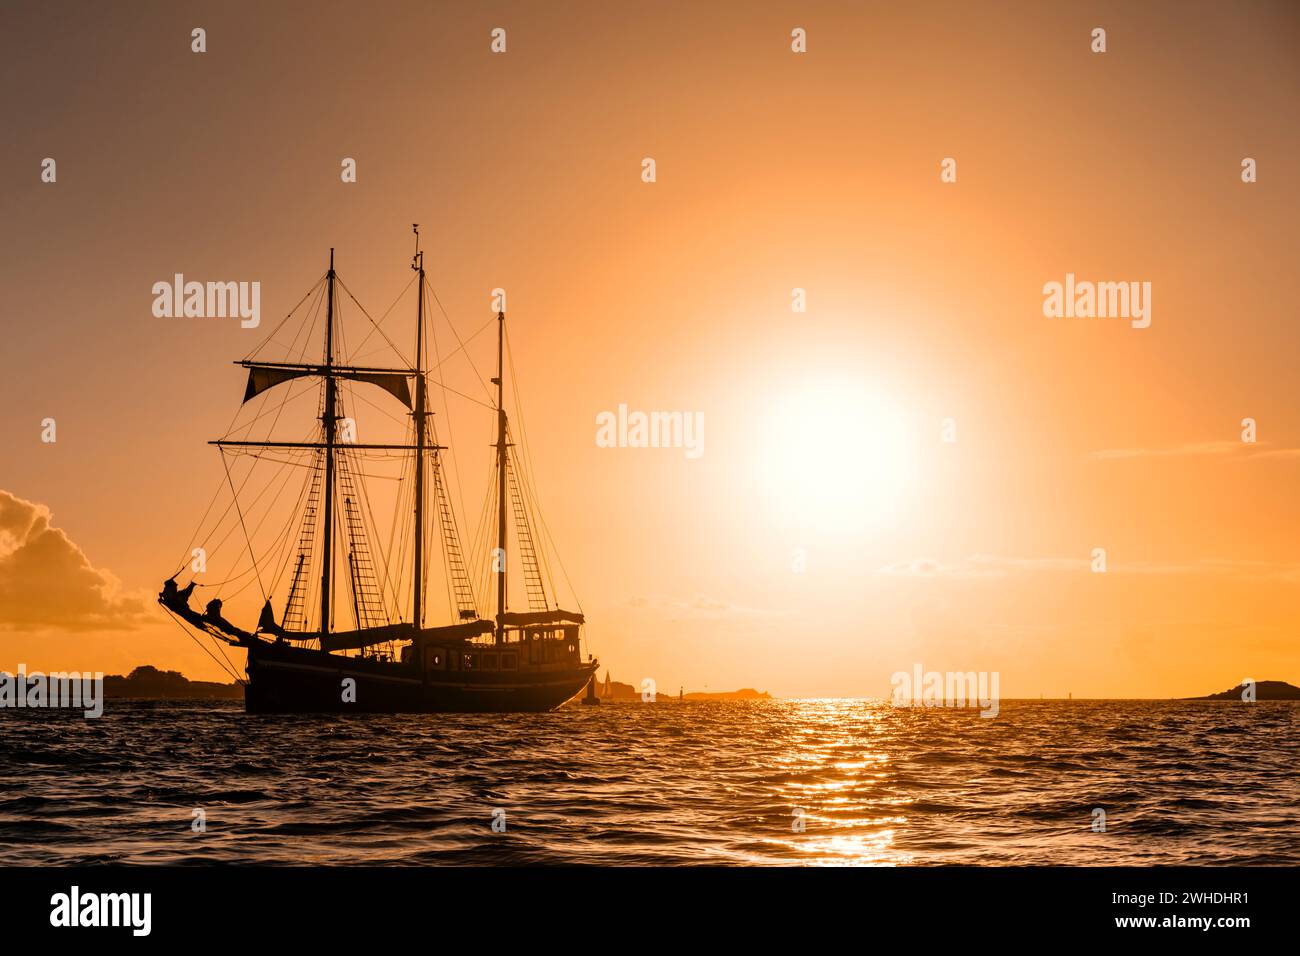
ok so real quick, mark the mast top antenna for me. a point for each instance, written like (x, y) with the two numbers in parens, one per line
(415, 259)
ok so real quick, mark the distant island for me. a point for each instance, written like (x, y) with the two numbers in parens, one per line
(148, 681)
(1264, 690)
(613, 690)
(745, 693)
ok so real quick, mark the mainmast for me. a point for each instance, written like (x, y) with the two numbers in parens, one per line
(329, 419)
(501, 479)
(419, 414)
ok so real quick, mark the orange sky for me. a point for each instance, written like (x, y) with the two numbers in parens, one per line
(774, 171)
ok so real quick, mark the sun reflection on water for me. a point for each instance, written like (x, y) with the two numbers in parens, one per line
(832, 771)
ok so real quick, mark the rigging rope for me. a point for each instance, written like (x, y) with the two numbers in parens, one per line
(267, 341)
(226, 666)
(240, 512)
(529, 483)
(486, 390)
(455, 458)
(376, 328)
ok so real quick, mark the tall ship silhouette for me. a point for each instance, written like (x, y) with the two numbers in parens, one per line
(344, 624)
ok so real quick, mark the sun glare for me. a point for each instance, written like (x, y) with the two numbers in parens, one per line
(836, 457)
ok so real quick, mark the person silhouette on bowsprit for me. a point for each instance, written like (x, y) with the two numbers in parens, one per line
(172, 595)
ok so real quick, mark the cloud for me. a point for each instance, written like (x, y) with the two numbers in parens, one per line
(991, 566)
(46, 581)
(979, 566)
(1206, 449)
(1266, 570)
(1277, 453)
(704, 608)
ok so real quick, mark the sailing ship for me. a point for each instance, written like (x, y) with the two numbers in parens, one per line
(301, 659)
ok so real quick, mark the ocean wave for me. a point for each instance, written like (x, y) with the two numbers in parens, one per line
(747, 783)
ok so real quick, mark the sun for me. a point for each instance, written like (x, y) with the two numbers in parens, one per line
(836, 456)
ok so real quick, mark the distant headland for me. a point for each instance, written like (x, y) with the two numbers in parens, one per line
(150, 682)
(147, 681)
(613, 690)
(1264, 690)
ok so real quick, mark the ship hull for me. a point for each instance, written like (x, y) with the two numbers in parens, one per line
(283, 679)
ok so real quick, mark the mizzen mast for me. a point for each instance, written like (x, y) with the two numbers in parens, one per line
(329, 418)
(500, 556)
(420, 414)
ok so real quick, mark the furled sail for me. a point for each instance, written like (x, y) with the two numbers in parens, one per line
(262, 377)
(531, 618)
(354, 640)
